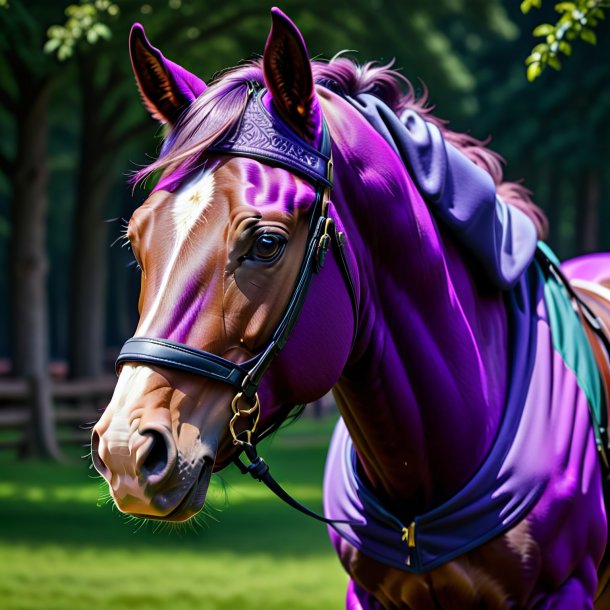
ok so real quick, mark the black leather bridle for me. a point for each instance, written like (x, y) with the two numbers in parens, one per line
(261, 136)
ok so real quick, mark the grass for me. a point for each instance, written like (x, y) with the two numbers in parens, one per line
(61, 548)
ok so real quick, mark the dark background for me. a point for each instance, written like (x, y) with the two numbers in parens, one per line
(80, 125)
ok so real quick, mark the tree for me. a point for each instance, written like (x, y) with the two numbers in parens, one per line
(29, 77)
(554, 132)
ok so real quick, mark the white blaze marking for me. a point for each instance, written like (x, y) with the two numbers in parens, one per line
(129, 388)
(189, 206)
(190, 203)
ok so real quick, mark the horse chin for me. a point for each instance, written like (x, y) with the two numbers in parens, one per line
(194, 500)
(191, 503)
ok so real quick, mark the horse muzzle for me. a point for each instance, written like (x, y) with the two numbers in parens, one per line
(156, 446)
(148, 476)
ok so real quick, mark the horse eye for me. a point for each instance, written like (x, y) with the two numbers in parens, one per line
(268, 247)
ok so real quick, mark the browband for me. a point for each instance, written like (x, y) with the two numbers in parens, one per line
(261, 136)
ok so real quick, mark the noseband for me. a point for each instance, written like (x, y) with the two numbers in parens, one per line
(260, 136)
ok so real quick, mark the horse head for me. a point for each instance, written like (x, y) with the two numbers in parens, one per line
(413, 293)
(229, 246)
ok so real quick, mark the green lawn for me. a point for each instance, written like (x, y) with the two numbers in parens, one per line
(59, 550)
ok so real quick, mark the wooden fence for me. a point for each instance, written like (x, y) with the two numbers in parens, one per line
(77, 405)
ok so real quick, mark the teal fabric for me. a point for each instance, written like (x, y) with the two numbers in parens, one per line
(570, 340)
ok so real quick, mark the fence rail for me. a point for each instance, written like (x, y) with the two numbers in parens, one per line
(77, 405)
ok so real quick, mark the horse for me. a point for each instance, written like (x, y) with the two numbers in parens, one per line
(315, 227)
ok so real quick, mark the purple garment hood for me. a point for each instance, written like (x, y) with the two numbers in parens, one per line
(460, 194)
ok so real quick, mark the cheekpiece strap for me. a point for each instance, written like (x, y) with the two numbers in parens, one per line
(260, 136)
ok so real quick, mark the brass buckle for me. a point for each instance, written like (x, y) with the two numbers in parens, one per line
(254, 410)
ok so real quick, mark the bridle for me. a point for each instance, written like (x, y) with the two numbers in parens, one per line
(259, 135)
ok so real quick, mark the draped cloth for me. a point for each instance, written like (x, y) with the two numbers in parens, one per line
(553, 374)
(460, 195)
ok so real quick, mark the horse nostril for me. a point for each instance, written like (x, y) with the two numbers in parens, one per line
(159, 459)
(98, 463)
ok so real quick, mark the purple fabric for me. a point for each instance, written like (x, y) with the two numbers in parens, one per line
(426, 331)
(590, 267)
(461, 194)
(534, 451)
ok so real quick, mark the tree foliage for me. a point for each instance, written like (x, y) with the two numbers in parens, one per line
(84, 21)
(576, 22)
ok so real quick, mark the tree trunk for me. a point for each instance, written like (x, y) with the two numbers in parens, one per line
(89, 264)
(589, 234)
(88, 277)
(28, 266)
(553, 202)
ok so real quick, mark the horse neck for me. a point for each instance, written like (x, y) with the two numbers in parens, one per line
(423, 392)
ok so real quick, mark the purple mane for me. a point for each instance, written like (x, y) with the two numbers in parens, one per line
(215, 112)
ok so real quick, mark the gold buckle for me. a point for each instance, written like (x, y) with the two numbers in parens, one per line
(237, 413)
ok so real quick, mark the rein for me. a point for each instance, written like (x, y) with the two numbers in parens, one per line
(260, 136)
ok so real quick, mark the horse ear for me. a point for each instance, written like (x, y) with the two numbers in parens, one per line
(289, 78)
(166, 88)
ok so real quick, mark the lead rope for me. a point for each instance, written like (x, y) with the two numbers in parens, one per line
(258, 469)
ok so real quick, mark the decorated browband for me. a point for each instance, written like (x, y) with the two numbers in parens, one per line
(259, 135)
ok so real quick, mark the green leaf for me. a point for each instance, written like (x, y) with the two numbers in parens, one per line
(588, 35)
(102, 30)
(56, 31)
(544, 29)
(554, 62)
(64, 52)
(527, 5)
(565, 47)
(564, 7)
(51, 45)
(533, 71)
(92, 36)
